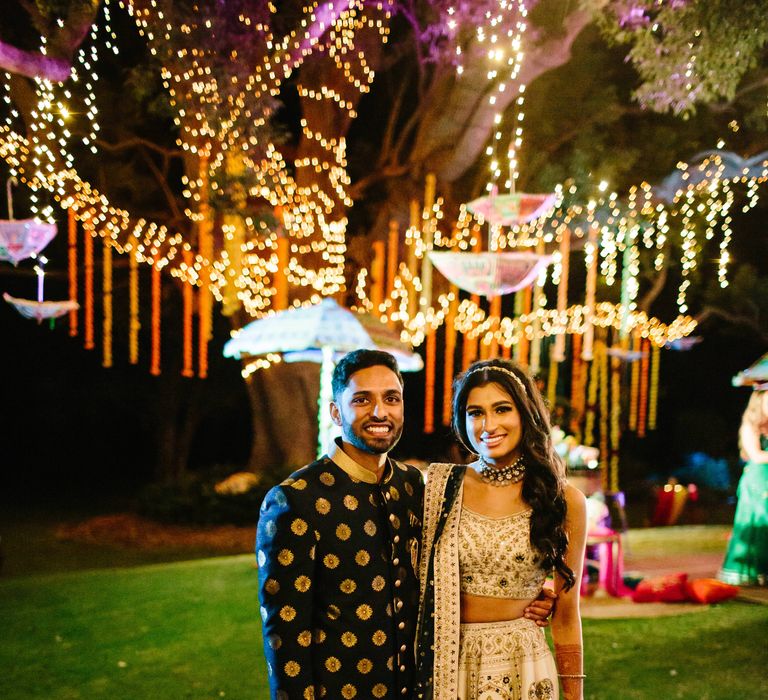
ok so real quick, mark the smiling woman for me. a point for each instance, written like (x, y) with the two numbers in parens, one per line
(505, 523)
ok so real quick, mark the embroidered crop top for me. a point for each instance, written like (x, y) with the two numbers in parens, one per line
(496, 558)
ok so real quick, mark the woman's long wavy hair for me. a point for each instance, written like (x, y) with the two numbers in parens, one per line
(544, 481)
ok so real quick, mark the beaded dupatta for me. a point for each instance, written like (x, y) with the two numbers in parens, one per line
(437, 645)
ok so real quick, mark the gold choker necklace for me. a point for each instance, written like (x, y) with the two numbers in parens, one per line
(502, 477)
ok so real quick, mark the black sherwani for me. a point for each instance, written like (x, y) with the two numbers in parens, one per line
(338, 581)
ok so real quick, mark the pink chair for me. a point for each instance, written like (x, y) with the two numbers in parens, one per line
(610, 561)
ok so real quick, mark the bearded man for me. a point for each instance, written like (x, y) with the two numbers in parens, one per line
(337, 549)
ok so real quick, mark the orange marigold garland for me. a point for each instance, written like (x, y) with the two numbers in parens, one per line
(88, 283)
(591, 261)
(205, 296)
(133, 309)
(429, 381)
(450, 350)
(577, 387)
(156, 317)
(643, 397)
(653, 397)
(594, 381)
(281, 279)
(495, 312)
(604, 403)
(558, 351)
(188, 293)
(634, 386)
(615, 424)
(107, 310)
(523, 307)
(393, 243)
(72, 234)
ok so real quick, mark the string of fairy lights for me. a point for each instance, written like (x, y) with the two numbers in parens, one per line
(312, 214)
(296, 252)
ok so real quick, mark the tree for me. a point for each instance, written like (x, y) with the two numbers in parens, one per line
(279, 92)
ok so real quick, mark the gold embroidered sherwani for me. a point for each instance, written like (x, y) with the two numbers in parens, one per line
(337, 555)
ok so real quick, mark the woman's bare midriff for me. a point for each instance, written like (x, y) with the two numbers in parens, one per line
(478, 608)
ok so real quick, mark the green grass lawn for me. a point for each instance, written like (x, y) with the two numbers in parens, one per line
(179, 630)
(716, 654)
(191, 630)
(94, 621)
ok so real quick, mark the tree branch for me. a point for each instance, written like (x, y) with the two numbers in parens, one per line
(657, 288)
(710, 312)
(138, 142)
(34, 64)
(170, 197)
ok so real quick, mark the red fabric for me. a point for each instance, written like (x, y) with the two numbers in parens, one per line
(662, 589)
(710, 590)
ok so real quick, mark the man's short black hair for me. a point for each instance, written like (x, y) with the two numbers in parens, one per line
(361, 359)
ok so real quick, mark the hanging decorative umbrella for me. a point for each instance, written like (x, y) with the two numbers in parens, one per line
(755, 375)
(22, 238)
(490, 274)
(683, 344)
(301, 333)
(41, 309)
(322, 333)
(511, 208)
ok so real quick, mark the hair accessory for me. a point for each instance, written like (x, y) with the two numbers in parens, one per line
(503, 370)
(505, 476)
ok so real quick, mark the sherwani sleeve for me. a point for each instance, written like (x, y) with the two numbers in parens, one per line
(285, 551)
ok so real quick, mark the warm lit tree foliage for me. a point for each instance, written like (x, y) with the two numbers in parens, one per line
(321, 121)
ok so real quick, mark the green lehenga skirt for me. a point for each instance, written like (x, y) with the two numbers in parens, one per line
(746, 561)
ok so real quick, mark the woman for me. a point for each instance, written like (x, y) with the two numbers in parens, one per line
(493, 531)
(746, 561)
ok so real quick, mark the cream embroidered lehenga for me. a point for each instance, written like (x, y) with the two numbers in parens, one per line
(507, 660)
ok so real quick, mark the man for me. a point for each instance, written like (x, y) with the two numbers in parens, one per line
(337, 546)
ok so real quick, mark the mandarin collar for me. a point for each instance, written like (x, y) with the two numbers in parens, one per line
(354, 469)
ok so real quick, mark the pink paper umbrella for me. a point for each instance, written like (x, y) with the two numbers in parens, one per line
(23, 238)
(41, 309)
(490, 274)
(512, 208)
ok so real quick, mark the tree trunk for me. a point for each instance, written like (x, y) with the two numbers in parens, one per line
(284, 406)
(178, 414)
